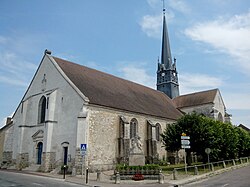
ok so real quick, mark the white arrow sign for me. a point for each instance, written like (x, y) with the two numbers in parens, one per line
(185, 142)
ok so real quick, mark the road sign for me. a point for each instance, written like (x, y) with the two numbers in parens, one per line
(208, 151)
(185, 137)
(185, 146)
(185, 142)
(83, 147)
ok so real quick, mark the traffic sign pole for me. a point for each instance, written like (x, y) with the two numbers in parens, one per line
(185, 160)
(83, 151)
(185, 144)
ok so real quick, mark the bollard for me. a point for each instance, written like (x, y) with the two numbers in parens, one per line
(175, 173)
(161, 178)
(98, 177)
(64, 171)
(196, 172)
(117, 178)
(212, 167)
(233, 162)
(224, 164)
(87, 175)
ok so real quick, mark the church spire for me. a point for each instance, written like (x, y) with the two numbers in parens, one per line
(167, 78)
(166, 58)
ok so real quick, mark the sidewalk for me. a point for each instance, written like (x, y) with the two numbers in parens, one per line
(106, 182)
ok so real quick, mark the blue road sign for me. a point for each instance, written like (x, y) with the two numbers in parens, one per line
(83, 147)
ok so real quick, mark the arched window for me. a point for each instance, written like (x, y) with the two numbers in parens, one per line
(158, 131)
(42, 110)
(220, 118)
(133, 128)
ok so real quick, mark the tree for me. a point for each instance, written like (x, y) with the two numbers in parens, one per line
(225, 140)
(193, 125)
(243, 143)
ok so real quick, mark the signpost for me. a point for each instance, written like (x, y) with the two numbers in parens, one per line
(208, 151)
(185, 144)
(83, 151)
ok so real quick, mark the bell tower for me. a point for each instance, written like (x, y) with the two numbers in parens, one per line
(167, 78)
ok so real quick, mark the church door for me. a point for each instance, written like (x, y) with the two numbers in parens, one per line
(39, 152)
(65, 155)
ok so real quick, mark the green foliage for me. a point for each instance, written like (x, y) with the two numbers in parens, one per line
(121, 167)
(225, 140)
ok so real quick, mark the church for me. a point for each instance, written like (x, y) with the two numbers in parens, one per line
(77, 116)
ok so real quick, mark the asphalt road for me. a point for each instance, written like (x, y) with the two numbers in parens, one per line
(11, 179)
(235, 178)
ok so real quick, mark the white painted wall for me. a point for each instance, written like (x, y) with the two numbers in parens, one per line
(63, 109)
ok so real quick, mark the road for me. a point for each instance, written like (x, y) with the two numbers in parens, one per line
(11, 179)
(235, 178)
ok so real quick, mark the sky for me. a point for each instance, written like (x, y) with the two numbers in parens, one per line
(210, 40)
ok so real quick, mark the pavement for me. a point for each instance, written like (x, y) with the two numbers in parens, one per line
(106, 182)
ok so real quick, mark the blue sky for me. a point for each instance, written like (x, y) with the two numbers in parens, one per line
(210, 40)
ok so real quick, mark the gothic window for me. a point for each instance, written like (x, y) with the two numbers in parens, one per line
(133, 128)
(42, 110)
(158, 131)
(220, 118)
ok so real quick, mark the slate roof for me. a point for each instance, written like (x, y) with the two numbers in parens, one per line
(195, 99)
(110, 91)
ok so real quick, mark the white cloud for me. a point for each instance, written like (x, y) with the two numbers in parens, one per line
(180, 6)
(198, 82)
(153, 3)
(138, 74)
(152, 25)
(14, 70)
(237, 101)
(3, 40)
(13, 81)
(229, 36)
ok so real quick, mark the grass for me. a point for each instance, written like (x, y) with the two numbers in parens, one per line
(169, 168)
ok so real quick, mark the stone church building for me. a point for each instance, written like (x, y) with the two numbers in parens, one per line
(67, 105)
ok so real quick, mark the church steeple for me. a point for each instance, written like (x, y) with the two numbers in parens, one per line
(165, 51)
(167, 79)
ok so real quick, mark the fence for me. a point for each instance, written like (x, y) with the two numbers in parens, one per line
(206, 168)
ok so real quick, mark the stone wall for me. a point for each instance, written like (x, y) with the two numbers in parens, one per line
(7, 158)
(48, 161)
(22, 161)
(104, 134)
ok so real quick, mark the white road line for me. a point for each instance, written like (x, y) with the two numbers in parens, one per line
(225, 185)
(37, 184)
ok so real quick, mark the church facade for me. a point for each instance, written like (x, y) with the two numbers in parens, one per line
(68, 105)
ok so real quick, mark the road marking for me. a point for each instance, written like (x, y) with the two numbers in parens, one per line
(225, 185)
(37, 184)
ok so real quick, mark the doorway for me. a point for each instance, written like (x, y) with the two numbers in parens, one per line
(39, 152)
(65, 155)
